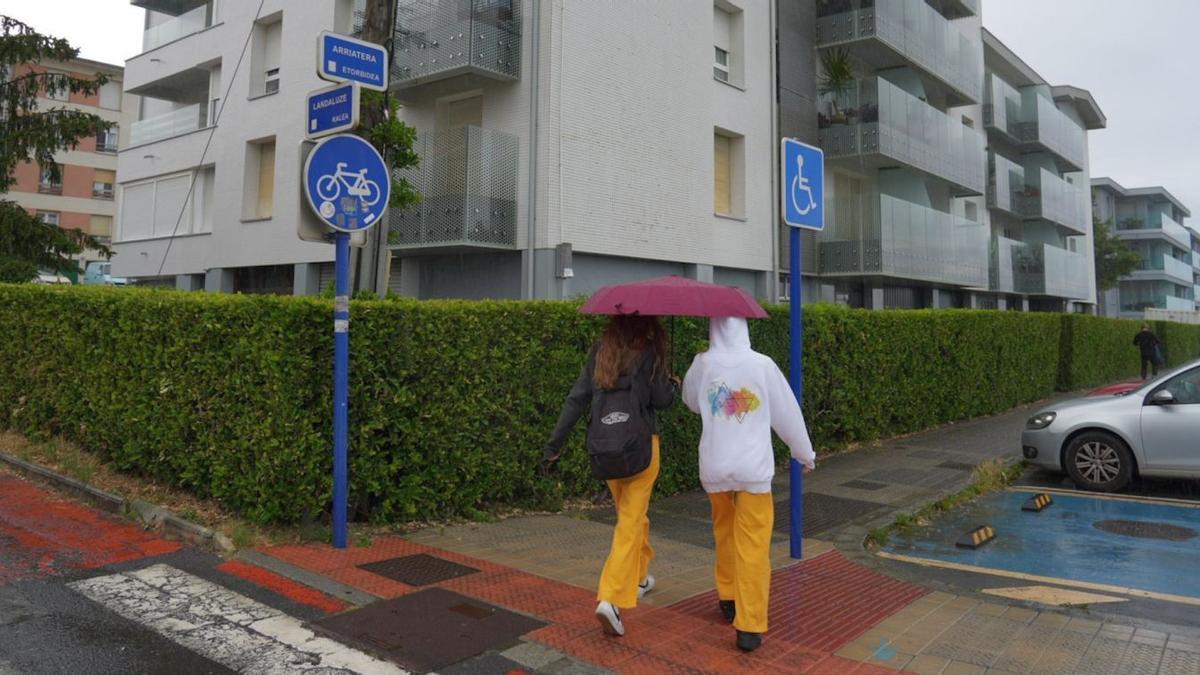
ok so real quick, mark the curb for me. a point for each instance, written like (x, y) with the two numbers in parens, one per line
(148, 515)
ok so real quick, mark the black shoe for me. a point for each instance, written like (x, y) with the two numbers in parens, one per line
(748, 642)
(728, 610)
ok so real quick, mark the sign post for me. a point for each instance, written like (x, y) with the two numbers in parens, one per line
(347, 184)
(803, 194)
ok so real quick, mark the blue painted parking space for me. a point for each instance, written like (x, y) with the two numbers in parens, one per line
(1139, 545)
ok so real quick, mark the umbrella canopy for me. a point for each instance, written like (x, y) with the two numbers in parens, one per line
(673, 296)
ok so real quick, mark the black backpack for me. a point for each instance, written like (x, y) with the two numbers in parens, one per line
(619, 434)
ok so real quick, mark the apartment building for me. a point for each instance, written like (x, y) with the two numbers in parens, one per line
(556, 158)
(955, 174)
(82, 195)
(1151, 221)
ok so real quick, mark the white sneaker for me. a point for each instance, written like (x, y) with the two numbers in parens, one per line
(610, 619)
(646, 586)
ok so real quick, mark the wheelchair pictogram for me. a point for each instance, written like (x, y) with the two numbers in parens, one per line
(800, 187)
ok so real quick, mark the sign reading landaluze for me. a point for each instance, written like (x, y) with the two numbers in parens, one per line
(346, 183)
(345, 59)
(332, 110)
(803, 185)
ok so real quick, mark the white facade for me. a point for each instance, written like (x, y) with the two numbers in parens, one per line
(204, 121)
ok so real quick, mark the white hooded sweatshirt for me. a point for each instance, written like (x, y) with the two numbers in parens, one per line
(741, 395)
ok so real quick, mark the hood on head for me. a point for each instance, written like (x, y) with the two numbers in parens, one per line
(728, 334)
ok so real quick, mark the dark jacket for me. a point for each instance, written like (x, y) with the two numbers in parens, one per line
(655, 393)
(1146, 341)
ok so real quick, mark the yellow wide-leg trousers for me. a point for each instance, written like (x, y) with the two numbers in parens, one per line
(742, 524)
(630, 555)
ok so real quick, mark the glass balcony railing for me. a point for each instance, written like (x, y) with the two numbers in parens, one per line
(1158, 224)
(1048, 197)
(1179, 270)
(875, 117)
(913, 30)
(883, 235)
(181, 121)
(468, 182)
(1142, 301)
(1045, 125)
(1002, 272)
(183, 25)
(1001, 105)
(440, 39)
(1006, 183)
(1047, 270)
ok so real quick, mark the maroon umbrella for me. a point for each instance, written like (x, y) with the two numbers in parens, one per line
(673, 296)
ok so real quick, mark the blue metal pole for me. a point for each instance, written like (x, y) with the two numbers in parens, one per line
(341, 383)
(796, 496)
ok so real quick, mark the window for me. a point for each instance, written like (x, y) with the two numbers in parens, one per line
(48, 217)
(259, 198)
(57, 86)
(50, 181)
(1185, 387)
(106, 141)
(101, 226)
(102, 184)
(110, 95)
(264, 57)
(729, 198)
(721, 65)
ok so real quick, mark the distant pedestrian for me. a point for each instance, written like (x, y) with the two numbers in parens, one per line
(741, 395)
(625, 380)
(1151, 349)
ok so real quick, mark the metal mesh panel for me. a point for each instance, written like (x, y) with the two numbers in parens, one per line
(468, 182)
(451, 37)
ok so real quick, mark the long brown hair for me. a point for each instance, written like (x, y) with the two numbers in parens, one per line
(624, 341)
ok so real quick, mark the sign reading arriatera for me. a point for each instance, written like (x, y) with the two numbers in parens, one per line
(341, 58)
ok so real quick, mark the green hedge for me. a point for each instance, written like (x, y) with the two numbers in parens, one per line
(1097, 350)
(229, 396)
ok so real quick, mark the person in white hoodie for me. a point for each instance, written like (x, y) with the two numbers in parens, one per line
(741, 396)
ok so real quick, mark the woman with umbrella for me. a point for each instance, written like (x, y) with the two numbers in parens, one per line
(624, 381)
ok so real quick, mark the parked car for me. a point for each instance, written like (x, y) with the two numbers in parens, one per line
(1103, 442)
(100, 274)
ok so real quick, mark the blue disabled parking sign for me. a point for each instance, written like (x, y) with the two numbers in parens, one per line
(347, 183)
(803, 185)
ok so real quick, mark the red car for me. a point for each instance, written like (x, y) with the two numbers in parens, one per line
(1114, 389)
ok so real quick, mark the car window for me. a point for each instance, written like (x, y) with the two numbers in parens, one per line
(1185, 387)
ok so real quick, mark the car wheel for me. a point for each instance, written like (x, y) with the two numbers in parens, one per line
(1099, 461)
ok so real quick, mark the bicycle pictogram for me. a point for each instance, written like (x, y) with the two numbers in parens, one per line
(356, 183)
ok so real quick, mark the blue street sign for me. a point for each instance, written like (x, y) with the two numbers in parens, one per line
(803, 185)
(347, 183)
(345, 59)
(332, 110)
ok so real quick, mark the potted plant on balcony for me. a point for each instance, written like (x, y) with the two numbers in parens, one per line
(837, 74)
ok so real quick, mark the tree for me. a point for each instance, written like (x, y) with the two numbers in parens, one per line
(1113, 258)
(34, 135)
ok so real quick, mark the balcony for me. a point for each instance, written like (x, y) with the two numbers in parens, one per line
(1141, 302)
(468, 181)
(181, 121)
(878, 124)
(443, 39)
(1050, 198)
(1034, 123)
(1002, 273)
(907, 33)
(1159, 227)
(1006, 183)
(1161, 267)
(879, 235)
(1044, 270)
(187, 18)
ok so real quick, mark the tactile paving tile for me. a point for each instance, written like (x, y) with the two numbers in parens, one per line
(418, 570)
(823, 512)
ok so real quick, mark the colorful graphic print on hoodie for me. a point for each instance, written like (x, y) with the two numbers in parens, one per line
(733, 404)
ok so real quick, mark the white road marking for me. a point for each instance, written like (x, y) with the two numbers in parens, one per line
(1048, 595)
(224, 626)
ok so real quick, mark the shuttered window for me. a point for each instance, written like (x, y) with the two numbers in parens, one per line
(722, 176)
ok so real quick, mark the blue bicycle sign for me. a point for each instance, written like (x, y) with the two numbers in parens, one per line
(346, 183)
(803, 185)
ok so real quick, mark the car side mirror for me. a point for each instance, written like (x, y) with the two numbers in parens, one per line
(1162, 397)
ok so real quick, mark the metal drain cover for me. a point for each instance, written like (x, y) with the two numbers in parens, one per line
(418, 570)
(1146, 530)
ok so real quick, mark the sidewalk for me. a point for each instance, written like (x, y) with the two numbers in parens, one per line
(833, 612)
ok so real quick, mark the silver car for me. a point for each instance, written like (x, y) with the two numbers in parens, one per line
(1103, 442)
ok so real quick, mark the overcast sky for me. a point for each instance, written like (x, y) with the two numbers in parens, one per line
(1135, 58)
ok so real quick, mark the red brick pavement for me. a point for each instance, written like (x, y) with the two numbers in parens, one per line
(283, 586)
(42, 534)
(819, 605)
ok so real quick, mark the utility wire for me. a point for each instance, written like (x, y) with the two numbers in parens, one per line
(217, 118)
